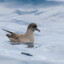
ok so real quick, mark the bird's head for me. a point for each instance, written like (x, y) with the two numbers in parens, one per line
(33, 27)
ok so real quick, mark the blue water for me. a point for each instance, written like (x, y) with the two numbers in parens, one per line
(49, 42)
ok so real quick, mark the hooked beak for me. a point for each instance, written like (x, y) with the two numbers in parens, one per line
(37, 29)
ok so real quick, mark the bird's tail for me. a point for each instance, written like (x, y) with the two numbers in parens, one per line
(11, 35)
(8, 31)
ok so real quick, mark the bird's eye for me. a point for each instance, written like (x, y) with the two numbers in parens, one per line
(34, 26)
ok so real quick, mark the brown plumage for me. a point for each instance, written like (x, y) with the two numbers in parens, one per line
(28, 37)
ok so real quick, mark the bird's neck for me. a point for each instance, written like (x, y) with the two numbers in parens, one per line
(29, 32)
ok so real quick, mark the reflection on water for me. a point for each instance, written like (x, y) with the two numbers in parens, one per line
(30, 45)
